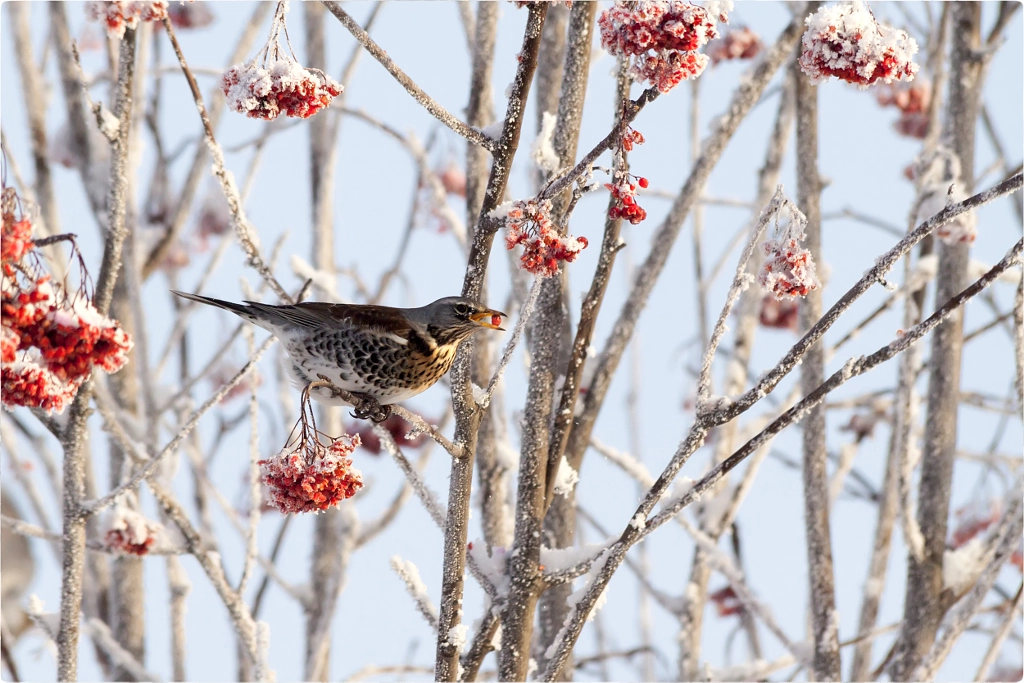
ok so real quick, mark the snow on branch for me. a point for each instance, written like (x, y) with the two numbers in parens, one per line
(417, 590)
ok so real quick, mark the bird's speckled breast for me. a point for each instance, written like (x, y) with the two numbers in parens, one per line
(366, 362)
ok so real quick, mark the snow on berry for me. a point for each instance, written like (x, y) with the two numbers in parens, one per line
(15, 242)
(624, 194)
(121, 14)
(845, 41)
(309, 477)
(24, 382)
(274, 82)
(661, 38)
(788, 270)
(528, 223)
(50, 342)
(128, 532)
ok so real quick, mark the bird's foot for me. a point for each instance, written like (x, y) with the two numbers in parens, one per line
(371, 409)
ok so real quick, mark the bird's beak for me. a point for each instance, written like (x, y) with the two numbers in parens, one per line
(490, 319)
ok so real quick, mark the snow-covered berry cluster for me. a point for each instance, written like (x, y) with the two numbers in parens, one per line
(624, 195)
(128, 532)
(781, 315)
(15, 242)
(49, 341)
(121, 14)
(738, 43)
(311, 477)
(528, 222)
(788, 271)
(274, 82)
(845, 41)
(661, 38)
(912, 99)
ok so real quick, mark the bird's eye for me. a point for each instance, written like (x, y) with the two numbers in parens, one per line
(462, 310)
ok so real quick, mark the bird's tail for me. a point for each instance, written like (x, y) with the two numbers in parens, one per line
(241, 310)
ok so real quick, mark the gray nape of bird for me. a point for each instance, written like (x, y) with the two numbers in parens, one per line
(388, 354)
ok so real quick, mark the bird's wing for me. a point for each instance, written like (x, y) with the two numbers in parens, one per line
(384, 319)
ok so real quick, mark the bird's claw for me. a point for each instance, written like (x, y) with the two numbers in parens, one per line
(371, 410)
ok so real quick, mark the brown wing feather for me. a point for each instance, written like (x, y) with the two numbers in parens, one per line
(314, 313)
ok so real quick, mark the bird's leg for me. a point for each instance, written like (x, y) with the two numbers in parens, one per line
(370, 409)
(366, 406)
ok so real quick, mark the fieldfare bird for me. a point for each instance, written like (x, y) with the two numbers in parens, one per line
(375, 352)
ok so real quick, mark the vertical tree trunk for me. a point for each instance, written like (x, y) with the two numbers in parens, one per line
(545, 342)
(812, 373)
(924, 604)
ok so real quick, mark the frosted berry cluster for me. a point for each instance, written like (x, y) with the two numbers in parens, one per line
(190, 15)
(528, 223)
(274, 82)
(661, 38)
(788, 271)
(912, 99)
(49, 342)
(845, 41)
(128, 532)
(624, 196)
(780, 315)
(309, 477)
(739, 43)
(15, 243)
(120, 14)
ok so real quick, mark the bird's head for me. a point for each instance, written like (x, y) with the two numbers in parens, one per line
(452, 319)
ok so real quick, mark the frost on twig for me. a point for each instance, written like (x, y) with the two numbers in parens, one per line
(410, 576)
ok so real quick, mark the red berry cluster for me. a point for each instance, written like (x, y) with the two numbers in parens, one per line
(49, 343)
(309, 477)
(661, 37)
(121, 14)
(280, 87)
(973, 519)
(630, 138)
(15, 243)
(845, 41)
(189, 15)
(400, 432)
(624, 194)
(128, 532)
(740, 43)
(274, 82)
(788, 269)
(912, 100)
(781, 315)
(727, 603)
(529, 224)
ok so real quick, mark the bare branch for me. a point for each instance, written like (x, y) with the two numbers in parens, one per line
(436, 110)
